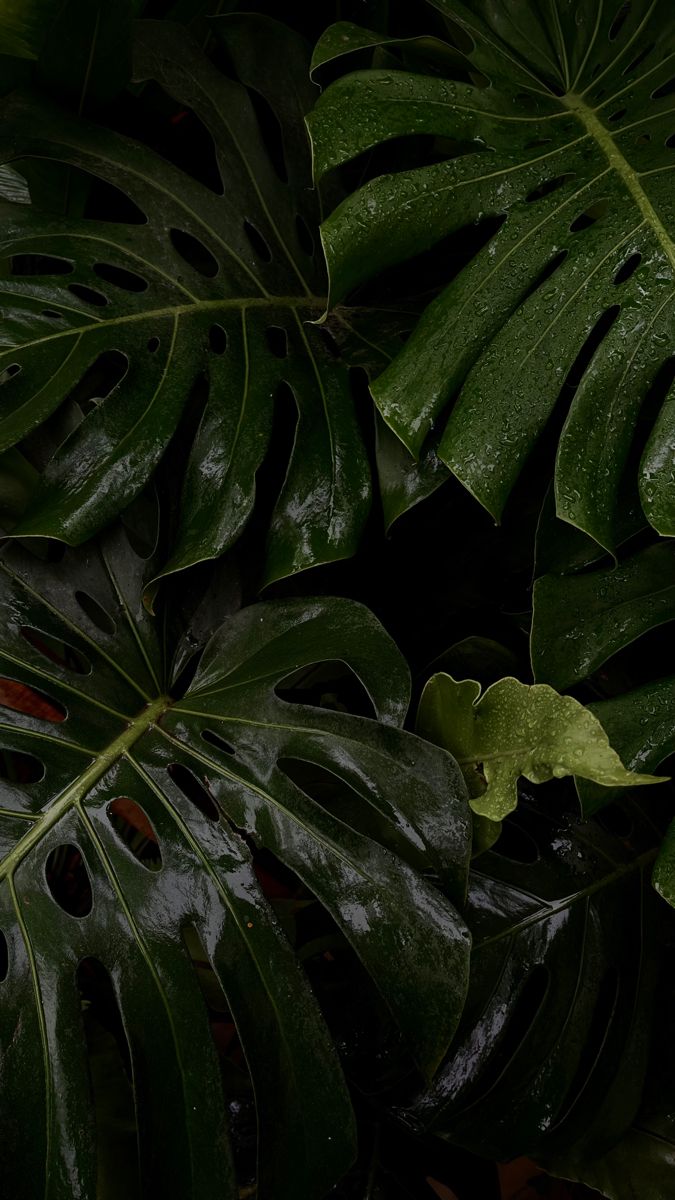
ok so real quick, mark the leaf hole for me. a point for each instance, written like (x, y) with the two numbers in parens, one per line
(257, 242)
(19, 767)
(628, 268)
(660, 387)
(329, 342)
(342, 801)
(56, 651)
(670, 142)
(270, 132)
(548, 271)
(595, 212)
(642, 139)
(135, 829)
(217, 339)
(194, 790)
(110, 1075)
(277, 341)
(330, 684)
(4, 957)
(96, 613)
(19, 697)
(616, 116)
(619, 21)
(100, 379)
(120, 277)
(304, 236)
(194, 253)
(40, 264)
(141, 524)
(214, 739)
(241, 1115)
(186, 141)
(550, 185)
(68, 880)
(592, 343)
(666, 89)
(88, 295)
(639, 59)
(537, 142)
(51, 314)
(153, 344)
(11, 372)
(515, 844)
(105, 201)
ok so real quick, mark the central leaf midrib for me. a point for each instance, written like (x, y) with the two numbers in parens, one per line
(175, 310)
(83, 784)
(551, 908)
(628, 175)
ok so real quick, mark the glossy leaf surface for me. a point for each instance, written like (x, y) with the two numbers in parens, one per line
(597, 613)
(642, 1163)
(207, 772)
(561, 127)
(192, 283)
(552, 1048)
(513, 730)
(641, 725)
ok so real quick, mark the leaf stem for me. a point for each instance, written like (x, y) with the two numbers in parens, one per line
(83, 784)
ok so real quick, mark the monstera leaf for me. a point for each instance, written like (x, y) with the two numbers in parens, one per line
(552, 1047)
(641, 1164)
(103, 752)
(187, 284)
(560, 128)
(596, 613)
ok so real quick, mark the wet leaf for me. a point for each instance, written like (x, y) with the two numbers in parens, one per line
(192, 282)
(642, 1162)
(558, 125)
(641, 726)
(514, 729)
(579, 621)
(132, 839)
(552, 1049)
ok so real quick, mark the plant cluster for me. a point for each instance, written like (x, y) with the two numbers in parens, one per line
(337, 478)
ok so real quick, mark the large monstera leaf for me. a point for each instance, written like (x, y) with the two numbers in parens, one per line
(186, 284)
(553, 1044)
(562, 129)
(208, 773)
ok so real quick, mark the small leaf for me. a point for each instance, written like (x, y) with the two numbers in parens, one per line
(516, 729)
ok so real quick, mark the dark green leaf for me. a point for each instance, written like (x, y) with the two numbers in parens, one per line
(87, 54)
(641, 725)
(597, 613)
(565, 136)
(23, 25)
(207, 770)
(170, 308)
(642, 1163)
(552, 1047)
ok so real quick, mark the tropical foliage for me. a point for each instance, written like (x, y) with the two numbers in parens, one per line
(324, 867)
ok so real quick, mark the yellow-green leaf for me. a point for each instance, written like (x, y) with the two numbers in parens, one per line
(516, 729)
